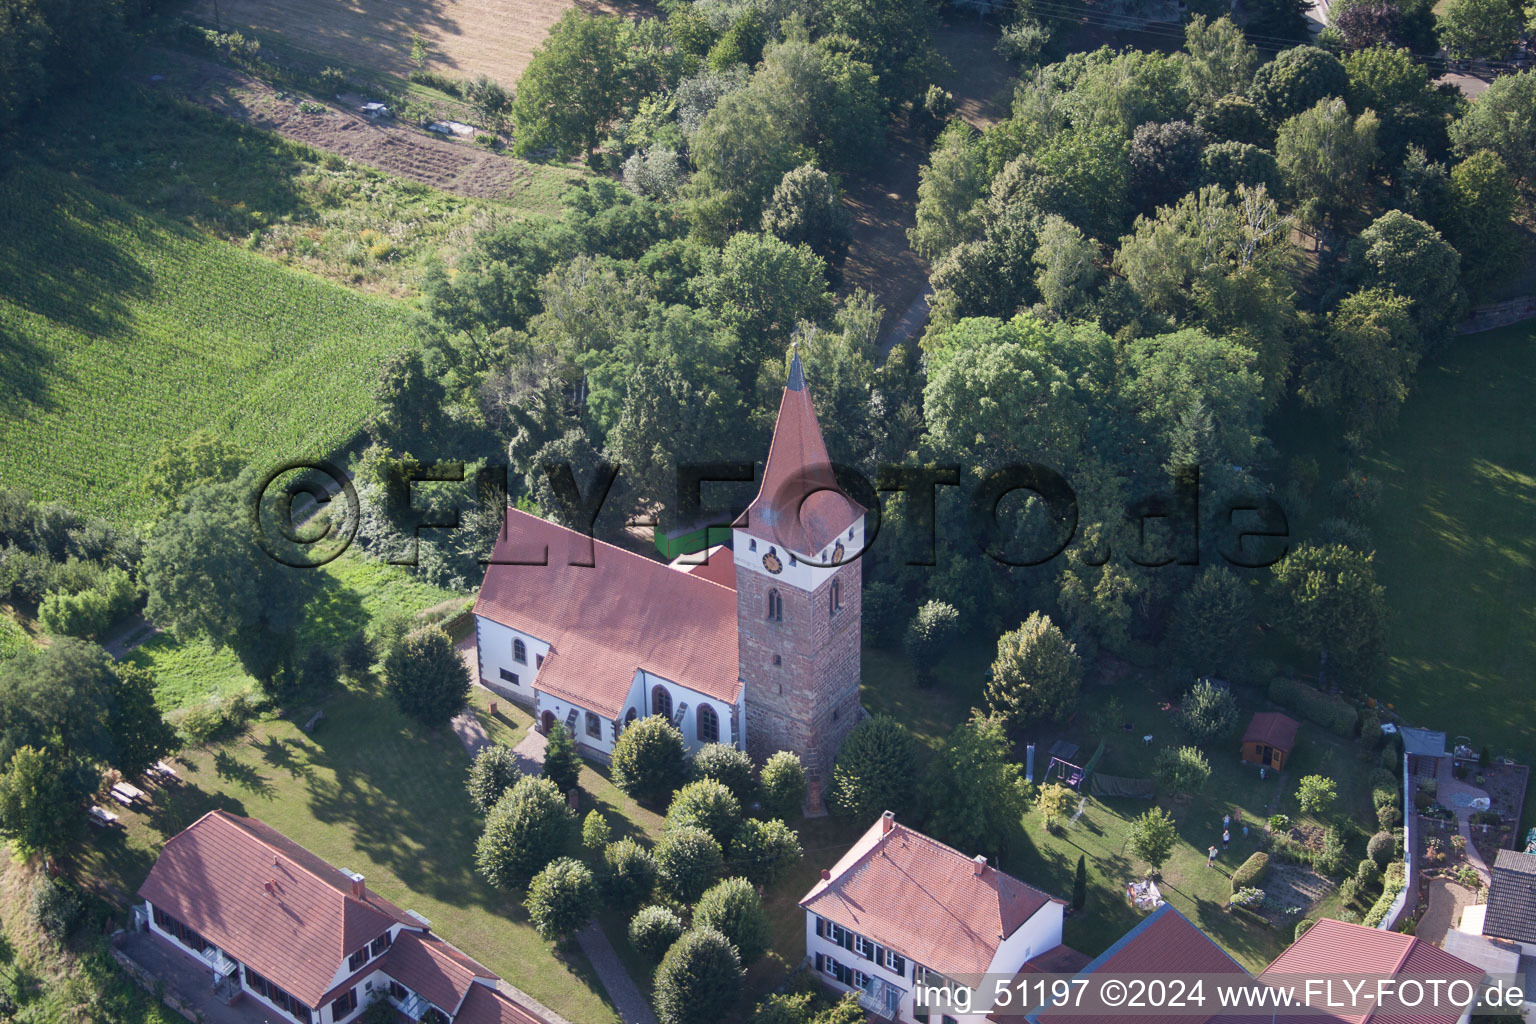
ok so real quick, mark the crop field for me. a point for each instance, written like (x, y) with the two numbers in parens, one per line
(463, 37)
(120, 330)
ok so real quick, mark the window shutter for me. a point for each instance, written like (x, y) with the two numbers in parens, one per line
(847, 940)
(819, 963)
(821, 928)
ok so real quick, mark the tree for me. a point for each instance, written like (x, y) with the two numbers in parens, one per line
(733, 908)
(1212, 623)
(740, 153)
(1230, 164)
(1035, 675)
(1219, 62)
(1208, 711)
(1165, 163)
(649, 759)
(950, 192)
(1480, 28)
(426, 676)
(1181, 770)
(975, 792)
(41, 796)
(807, 208)
(571, 88)
(763, 287)
(764, 850)
(708, 805)
(1055, 802)
(202, 457)
(875, 770)
(561, 898)
(140, 732)
(1152, 836)
(1316, 793)
(1481, 200)
(1067, 266)
(530, 826)
(782, 784)
(730, 766)
(1080, 883)
(1329, 601)
(1501, 120)
(929, 635)
(1409, 257)
(494, 771)
(208, 550)
(562, 765)
(408, 403)
(629, 873)
(688, 861)
(1276, 19)
(654, 929)
(1369, 354)
(698, 980)
(1297, 80)
(595, 832)
(1326, 156)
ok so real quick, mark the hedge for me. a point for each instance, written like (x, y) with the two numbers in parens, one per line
(1393, 884)
(1251, 872)
(1332, 713)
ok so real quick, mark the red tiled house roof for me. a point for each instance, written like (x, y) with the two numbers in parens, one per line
(433, 970)
(923, 899)
(610, 613)
(1271, 729)
(483, 1005)
(799, 504)
(266, 901)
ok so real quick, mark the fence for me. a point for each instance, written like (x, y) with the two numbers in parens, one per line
(1498, 314)
(1408, 899)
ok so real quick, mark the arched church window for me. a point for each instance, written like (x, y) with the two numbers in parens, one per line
(661, 702)
(837, 595)
(519, 651)
(709, 724)
(775, 606)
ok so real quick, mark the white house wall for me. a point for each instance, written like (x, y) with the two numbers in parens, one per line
(494, 641)
(1042, 932)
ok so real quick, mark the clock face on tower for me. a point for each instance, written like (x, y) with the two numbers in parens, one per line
(772, 564)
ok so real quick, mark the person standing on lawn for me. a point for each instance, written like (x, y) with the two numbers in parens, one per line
(1210, 856)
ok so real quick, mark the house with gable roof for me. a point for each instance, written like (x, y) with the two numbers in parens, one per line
(275, 924)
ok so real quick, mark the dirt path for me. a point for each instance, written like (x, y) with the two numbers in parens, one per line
(391, 147)
(1446, 901)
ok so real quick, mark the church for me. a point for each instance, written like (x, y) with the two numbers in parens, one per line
(758, 646)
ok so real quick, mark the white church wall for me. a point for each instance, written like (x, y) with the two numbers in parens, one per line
(499, 669)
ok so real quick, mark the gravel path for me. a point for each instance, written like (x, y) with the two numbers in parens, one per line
(622, 990)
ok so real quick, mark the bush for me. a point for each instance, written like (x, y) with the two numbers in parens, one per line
(426, 677)
(1334, 856)
(1384, 796)
(782, 785)
(699, 979)
(928, 634)
(218, 718)
(1382, 849)
(654, 930)
(649, 759)
(764, 850)
(1301, 929)
(595, 832)
(1279, 822)
(1316, 793)
(439, 81)
(1392, 884)
(734, 909)
(875, 771)
(493, 771)
(562, 765)
(728, 765)
(688, 861)
(1251, 872)
(561, 898)
(1208, 711)
(1249, 898)
(1389, 816)
(528, 827)
(1181, 770)
(1370, 730)
(630, 873)
(1349, 890)
(1367, 872)
(55, 907)
(333, 79)
(706, 805)
(1332, 713)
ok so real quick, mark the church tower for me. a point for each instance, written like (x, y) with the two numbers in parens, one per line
(798, 606)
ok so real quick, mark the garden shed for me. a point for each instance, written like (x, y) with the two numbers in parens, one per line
(1424, 749)
(1269, 739)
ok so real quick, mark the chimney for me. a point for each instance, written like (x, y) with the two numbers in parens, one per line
(826, 876)
(887, 820)
(359, 889)
(271, 888)
(980, 865)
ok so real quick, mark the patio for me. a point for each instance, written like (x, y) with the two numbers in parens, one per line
(189, 983)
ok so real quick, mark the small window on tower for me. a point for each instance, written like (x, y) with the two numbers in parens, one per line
(775, 606)
(837, 595)
(777, 660)
(850, 533)
(752, 545)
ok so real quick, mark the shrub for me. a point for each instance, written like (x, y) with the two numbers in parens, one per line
(332, 78)
(493, 771)
(1370, 730)
(764, 850)
(1334, 856)
(1383, 796)
(1279, 822)
(699, 979)
(648, 759)
(561, 898)
(782, 785)
(1332, 713)
(1249, 898)
(1181, 770)
(734, 909)
(530, 826)
(1054, 800)
(1349, 890)
(654, 930)
(1301, 929)
(875, 771)
(784, 1008)
(562, 765)
(1208, 711)
(688, 861)
(928, 634)
(1316, 793)
(595, 832)
(218, 718)
(630, 873)
(1389, 817)
(426, 677)
(707, 805)
(1367, 872)
(727, 765)
(1251, 872)
(55, 907)
(1381, 849)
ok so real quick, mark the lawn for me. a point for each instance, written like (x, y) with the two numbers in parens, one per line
(1455, 546)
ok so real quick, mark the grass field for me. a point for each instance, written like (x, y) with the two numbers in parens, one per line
(122, 330)
(1455, 538)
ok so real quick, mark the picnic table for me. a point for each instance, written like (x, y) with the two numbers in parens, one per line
(102, 818)
(164, 770)
(127, 794)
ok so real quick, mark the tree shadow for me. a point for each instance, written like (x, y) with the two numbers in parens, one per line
(279, 754)
(227, 766)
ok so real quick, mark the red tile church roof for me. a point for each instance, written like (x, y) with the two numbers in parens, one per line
(606, 616)
(799, 504)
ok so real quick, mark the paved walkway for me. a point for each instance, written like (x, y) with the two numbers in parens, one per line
(189, 983)
(1447, 789)
(1446, 901)
(622, 990)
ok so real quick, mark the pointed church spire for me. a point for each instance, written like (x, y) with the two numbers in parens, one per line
(796, 371)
